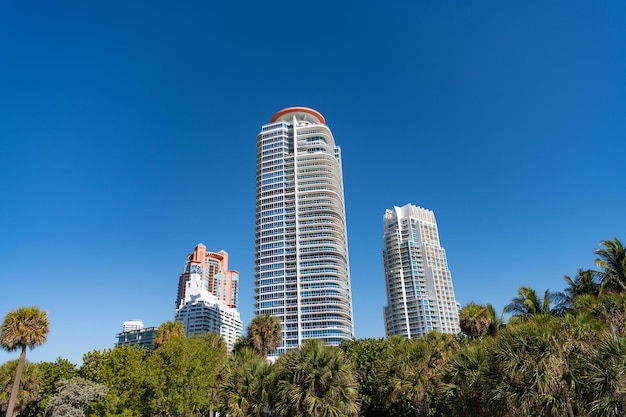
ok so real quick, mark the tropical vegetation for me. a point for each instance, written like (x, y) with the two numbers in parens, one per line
(557, 354)
(23, 328)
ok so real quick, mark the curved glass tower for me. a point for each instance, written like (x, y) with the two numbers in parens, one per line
(301, 249)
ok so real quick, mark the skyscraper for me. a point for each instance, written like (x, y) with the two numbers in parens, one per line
(301, 249)
(213, 267)
(207, 296)
(420, 297)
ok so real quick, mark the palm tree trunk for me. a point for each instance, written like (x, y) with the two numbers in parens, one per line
(421, 405)
(568, 401)
(16, 383)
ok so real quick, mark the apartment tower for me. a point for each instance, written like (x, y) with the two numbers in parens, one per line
(301, 250)
(213, 268)
(420, 297)
(207, 296)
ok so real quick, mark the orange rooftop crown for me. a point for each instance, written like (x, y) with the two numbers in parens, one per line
(306, 110)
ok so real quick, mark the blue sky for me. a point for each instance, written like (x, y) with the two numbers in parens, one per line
(127, 136)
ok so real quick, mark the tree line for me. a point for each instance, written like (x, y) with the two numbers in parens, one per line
(560, 354)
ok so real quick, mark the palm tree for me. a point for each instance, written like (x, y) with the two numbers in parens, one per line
(611, 261)
(533, 362)
(463, 390)
(410, 369)
(22, 328)
(586, 282)
(168, 331)
(264, 334)
(610, 308)
(215, 341)
(245, 384)
(604, 377)
(315, 381)
(31, 387)
(475, 320)
(528, 304)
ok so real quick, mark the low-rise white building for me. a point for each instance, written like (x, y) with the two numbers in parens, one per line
(134, 334)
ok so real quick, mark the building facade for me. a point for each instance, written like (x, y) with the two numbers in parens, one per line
(134, 334)
(130, 325)
(201, 312)
(207, 296)
(420, 296)
(213, 268)
(301, 250)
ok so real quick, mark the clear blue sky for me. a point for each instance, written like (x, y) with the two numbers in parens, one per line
(128, 129)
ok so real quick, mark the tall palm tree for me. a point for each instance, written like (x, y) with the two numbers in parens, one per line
(528, 304)
(168, 331)
(611, 261)
(22, 328)
(315, 381)
(264, 334)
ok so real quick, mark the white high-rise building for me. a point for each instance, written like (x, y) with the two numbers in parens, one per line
(420, 296)
(130, 325)
(201, 312)
(301, 249)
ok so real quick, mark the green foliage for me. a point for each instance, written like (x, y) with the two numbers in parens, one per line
(548, 366)
(528, 304)
(123, 370)
(214, 341)
(244, 384)
(181, 377)
(533, 368)
(561, 355)
(23, 328)
(611, 261)
(52, 373)
(461, 390)
(29, 392)
(586, 282)
(73, 396)
(365, 356)
(264, 334)
(610, 308)
(409, 372)
(240, 344)
(314, 381)
(603, 377)
(56, 371)
(168, 331)
(475, 320)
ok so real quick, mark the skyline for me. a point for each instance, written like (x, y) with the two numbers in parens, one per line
(127, 137)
